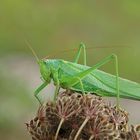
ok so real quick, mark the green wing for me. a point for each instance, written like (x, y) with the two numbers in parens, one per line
(128, 89)
(102, 83)
(98, 81)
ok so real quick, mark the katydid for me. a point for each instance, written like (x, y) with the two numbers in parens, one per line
(85, 79)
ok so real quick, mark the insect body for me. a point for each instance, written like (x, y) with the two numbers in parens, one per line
(84, 79)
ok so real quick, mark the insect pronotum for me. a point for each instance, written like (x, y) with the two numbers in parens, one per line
(85, 79)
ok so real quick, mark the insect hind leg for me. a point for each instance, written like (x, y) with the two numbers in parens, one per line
(111, 57)
(101, 63)
(82, 46)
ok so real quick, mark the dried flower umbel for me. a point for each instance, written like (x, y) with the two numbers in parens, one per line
(81, 117)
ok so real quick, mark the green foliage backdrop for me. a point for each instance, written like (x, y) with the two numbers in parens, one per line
(53, 26)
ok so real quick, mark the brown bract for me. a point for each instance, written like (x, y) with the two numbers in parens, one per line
(81, 117)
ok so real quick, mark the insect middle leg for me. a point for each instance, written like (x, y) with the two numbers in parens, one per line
(73, 81)
(82, 46)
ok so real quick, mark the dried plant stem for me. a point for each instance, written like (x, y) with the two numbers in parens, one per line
(58, 129)
(81, 127)
(70, 136)
(91, 137)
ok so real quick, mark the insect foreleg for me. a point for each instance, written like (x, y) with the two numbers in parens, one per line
(38, 90)
(82, 46)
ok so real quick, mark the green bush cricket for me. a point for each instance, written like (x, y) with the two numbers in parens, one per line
(85, 79)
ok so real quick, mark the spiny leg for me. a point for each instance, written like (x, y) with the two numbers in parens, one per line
(37, 91)
(101, 63)
(72, 81)
(82, 46)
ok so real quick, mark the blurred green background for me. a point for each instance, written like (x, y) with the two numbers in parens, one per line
(51, 27)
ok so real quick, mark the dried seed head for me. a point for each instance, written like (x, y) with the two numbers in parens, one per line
(92, 106)
(105, 122)
(67, 105)
(119, 117)
(101, 127)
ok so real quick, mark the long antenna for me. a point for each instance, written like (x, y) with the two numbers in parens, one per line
(89, 48)
(32, 50)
